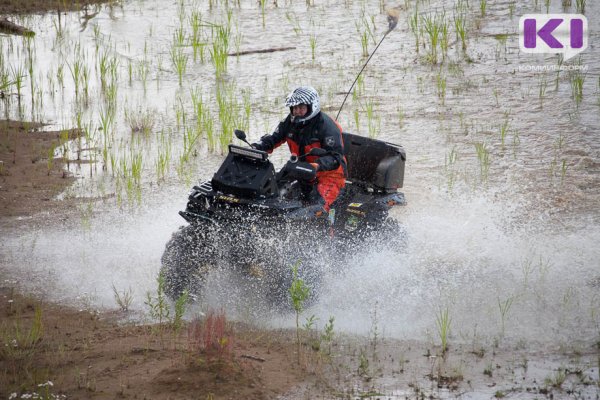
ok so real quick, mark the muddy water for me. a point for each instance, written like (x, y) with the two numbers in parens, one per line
(508, 246)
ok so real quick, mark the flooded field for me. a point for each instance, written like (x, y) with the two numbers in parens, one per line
(502, 178)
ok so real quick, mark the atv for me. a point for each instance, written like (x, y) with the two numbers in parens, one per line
(260, 222)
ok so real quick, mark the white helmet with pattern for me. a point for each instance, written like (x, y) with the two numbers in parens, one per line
(304, 95)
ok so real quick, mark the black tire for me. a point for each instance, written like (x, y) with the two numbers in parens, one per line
(188, 258)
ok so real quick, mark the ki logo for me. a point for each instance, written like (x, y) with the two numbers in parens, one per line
(553, 33)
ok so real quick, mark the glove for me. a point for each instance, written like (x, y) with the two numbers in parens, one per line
(256, 146)
(302, 171)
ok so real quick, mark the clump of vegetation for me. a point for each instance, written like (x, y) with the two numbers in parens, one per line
(299, 293)
(443, 321)
(123, 298)
(212, 337)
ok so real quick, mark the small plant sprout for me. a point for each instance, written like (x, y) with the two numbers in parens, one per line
(309, 328)
(557, 379)
(327, 335)
(504, 128)
(434, 26)
(17, 77)
(483, 155)
(482, 7)
(123, 298)
(511, 8)
(440, 81)
(461, 30)
(158, 306)
(140, 121)
(180, 305)
(363, 366)
(443, 322)
(576, 79)
(299, 293)
(364, 43)
(580, 6)
(220, 49)
(263, 6)
(450, 162)
(313, 45)
(504, 307)
(179, 59)
(293, 20)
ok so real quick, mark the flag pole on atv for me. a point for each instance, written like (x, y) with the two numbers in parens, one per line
(392, 17)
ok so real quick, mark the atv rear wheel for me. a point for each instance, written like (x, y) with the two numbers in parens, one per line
(188, 258)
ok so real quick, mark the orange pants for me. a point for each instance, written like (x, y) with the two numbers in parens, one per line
(329, 188)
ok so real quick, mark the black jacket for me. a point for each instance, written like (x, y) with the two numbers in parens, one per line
(320, 131)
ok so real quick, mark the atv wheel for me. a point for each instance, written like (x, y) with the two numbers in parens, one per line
(187, 260)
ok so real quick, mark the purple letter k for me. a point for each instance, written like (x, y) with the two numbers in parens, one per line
(545, 33)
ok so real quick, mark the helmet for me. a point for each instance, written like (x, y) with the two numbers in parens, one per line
(304, 95)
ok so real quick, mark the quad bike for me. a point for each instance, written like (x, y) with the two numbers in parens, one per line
(259, 222)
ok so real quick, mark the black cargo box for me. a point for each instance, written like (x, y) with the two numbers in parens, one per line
(374, 163)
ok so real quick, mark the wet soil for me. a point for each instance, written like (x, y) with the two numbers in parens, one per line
(30, 176)
(70, 353)
(41, 6)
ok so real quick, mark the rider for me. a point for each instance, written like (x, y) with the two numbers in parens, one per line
(304, 128)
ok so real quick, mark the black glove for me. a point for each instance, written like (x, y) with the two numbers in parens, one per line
(302, 171)
(257, 146)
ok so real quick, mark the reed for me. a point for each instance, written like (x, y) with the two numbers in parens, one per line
(197, 42)
(17, 75)
(414, 26)
(123, 298)
(179, 60)
(449, 167)
(434, 25)
(504, 307)
(576, 79)
(483, 155)
(299, 293)
(220, 49)
(443, 323)
(313, 45)
(293, 20)
(163, 158)
(441, 87)
(461, 30)
(504, 128)
(444, 39)
(364, 43)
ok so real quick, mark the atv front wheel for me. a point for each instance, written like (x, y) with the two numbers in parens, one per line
(188, 258)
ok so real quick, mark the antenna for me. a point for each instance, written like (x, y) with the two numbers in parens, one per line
(392, 17)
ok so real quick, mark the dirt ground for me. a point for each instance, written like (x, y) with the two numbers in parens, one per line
(40, 6)
(30, 177)
(49, 351)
